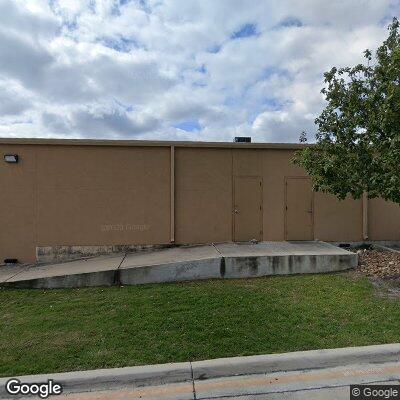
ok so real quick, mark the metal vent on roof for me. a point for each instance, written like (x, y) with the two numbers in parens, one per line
(242, 139)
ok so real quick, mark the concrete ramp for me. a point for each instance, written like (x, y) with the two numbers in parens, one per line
(228, 260)
(98, 271)
(171, 265)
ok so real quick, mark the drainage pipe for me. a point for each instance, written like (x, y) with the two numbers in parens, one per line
(365, 216)
(172, 194)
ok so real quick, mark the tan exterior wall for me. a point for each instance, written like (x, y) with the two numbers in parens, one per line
(61, 194)
(276, 165)
(384, 220)
(17, 205)
(83, 196)
(337, 220)
(203, 195)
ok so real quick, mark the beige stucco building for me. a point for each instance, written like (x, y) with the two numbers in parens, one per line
(91, 193)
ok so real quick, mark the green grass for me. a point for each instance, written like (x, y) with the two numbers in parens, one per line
(62, 330)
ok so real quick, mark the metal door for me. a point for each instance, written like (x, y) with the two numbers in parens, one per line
(299, 209)
(247, 208)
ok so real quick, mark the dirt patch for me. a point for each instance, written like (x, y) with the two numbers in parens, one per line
(379, 264)
(382, 268)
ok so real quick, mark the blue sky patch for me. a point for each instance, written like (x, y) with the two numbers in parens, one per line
(199, 84)
(189, 126)
(202, 69)
(70, 25)
(215, 49)
(245, 30)
(125, 107)
(290, 22)
(269, 71)
(272, 104)
(124, 45)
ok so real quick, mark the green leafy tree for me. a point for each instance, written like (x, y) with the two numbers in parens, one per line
(357, 146)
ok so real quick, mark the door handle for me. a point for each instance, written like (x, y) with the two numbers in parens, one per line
(310, 211)
(236, 211)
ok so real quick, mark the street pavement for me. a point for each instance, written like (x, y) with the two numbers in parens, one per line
(322, 383)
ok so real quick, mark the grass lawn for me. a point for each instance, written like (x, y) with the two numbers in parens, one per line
(62, 330)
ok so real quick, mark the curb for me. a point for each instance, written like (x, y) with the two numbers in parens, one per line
(85, 381)
(386, 248)
(299, 360)
(151, 375)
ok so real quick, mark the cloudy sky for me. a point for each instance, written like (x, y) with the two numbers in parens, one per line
(176, 69)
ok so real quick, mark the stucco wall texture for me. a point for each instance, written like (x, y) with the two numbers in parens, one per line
(84, 193)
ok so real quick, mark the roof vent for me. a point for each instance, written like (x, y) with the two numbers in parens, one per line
(242, 139)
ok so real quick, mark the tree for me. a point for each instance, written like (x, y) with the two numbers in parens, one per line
(357, 146)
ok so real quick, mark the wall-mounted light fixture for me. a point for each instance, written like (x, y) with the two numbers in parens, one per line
(11, 158)
(10, 261)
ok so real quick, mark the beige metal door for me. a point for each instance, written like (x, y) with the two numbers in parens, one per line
(299, 209)
(247, 208)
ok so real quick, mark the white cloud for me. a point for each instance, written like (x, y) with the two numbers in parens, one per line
(140, 68)
(14, 100)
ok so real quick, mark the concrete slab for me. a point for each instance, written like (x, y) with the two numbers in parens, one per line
(279, 249)
(283, 258)
(169, 256)
(171, 265)
(229, 260)
(97, 271)
(9, 271)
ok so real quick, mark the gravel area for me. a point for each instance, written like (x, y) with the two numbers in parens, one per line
(379, 264)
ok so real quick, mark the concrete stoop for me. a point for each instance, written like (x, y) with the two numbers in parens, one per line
(228, 260)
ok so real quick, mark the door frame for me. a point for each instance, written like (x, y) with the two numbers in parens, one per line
(261, 204)
(285, 205)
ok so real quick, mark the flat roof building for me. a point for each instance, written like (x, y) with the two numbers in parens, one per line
(98, 194)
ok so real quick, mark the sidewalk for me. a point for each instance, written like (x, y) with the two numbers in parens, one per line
(318, 384)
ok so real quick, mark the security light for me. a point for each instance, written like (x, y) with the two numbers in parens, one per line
(10, 261)
(11, 158)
